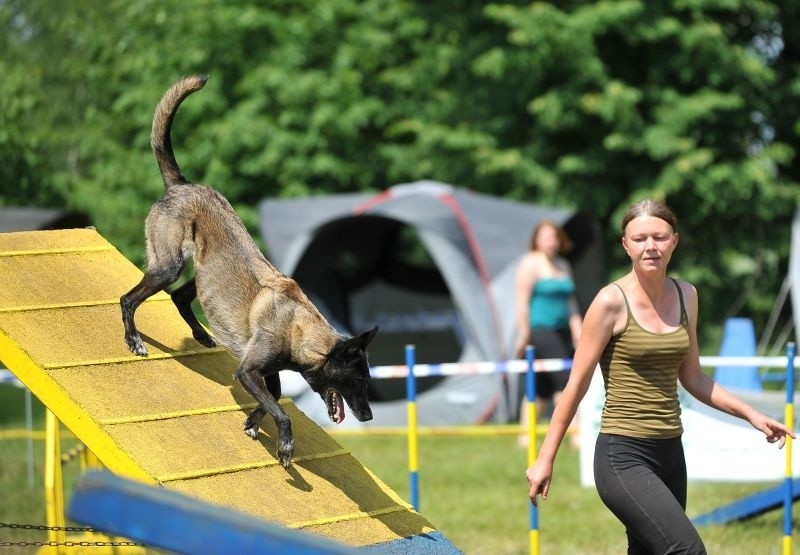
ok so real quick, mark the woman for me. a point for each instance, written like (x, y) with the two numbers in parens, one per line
(642, 329)
(547, 312)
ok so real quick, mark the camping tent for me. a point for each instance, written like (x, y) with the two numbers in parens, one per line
(28, 218)
(433, 265)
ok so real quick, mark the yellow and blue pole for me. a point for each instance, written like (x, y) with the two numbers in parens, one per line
(530, 388)
(789, 421)
(411, 397)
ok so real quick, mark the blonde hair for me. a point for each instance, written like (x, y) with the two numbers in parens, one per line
(649, 207)
(564, 244)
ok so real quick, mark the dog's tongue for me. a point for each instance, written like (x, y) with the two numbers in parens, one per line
(338, 415)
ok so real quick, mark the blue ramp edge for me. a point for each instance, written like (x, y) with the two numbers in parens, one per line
(169, 520)
(433, 543)
(749, 507)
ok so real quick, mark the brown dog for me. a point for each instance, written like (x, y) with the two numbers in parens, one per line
(260, 315)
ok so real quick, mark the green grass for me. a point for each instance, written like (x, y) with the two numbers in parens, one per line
(472, 489)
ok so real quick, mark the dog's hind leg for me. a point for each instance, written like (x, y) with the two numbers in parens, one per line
(183, 297)
(273, 382)
(154, 280)
(249, 374)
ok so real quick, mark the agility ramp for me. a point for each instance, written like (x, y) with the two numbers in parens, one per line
(174, 419)
(750, 506)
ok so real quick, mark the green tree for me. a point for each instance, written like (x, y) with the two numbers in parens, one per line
(584, 104)
(673, 100)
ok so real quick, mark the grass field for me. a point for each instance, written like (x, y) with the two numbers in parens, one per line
(472, 489)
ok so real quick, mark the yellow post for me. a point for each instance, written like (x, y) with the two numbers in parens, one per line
(530, 393)
(413, 440)
(532, 431)
(53, 482)
(534, 531)
(787, 532)
(788, 494)
(89, 460)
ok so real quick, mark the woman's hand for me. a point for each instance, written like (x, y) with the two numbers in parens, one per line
(539, 475)
(523, 341)
(774, 430)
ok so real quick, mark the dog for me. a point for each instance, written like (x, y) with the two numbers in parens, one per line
(260, 315)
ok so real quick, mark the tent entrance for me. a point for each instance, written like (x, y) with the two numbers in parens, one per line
(367, 270)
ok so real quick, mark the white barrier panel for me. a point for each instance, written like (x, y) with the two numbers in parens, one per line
(471, 368)
(718, 447)
(540, 365)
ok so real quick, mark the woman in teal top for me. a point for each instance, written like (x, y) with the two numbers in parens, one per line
(547, 312)
(549, 306)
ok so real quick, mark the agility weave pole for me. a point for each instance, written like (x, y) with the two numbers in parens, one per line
(788, 494)
(173, 419)
(413, 441)
(788, 491)
(530, 405)
(530, 395)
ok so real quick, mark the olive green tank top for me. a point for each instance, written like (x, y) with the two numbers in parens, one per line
(640, 373)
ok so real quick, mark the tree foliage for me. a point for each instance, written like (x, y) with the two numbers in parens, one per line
(584, 104)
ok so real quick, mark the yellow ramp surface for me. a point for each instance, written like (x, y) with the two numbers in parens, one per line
(174, 418)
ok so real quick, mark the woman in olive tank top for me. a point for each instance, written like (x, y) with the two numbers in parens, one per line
(642, 331)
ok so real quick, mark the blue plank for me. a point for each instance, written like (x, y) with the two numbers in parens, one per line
(433, 543)
(749, 506)
(169, 520)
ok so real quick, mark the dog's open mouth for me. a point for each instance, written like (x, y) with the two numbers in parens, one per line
(335, 406)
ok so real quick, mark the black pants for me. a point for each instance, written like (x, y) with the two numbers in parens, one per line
(643, 482)
(550, 343)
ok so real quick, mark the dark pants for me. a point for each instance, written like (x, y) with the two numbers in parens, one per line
(550, 343)
(643, 482)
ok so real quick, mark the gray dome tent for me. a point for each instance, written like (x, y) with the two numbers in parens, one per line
(433, 265)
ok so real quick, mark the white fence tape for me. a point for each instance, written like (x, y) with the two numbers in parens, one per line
(544, 365)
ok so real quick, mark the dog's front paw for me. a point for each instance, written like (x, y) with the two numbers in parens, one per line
(136, 345)
(251, 430)
(204, 339)
(285, 452)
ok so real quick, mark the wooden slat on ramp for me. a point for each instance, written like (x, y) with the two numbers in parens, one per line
(175, 418)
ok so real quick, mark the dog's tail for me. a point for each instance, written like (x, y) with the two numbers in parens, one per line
(162, 125)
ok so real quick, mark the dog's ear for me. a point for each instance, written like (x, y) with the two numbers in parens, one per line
(367, 337)
(350, 347)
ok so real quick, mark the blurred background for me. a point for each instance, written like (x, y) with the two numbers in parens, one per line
(569, 110)
(581, 105)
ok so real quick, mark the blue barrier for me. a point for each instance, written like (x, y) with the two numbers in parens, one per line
(738, 340)
(748, 507)
(166, 519)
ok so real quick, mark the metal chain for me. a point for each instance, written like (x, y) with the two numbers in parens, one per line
(42, 527)
(67, 543)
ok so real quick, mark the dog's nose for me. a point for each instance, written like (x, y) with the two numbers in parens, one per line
(366, 415)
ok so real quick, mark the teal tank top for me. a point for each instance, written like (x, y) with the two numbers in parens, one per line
(549, 302)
